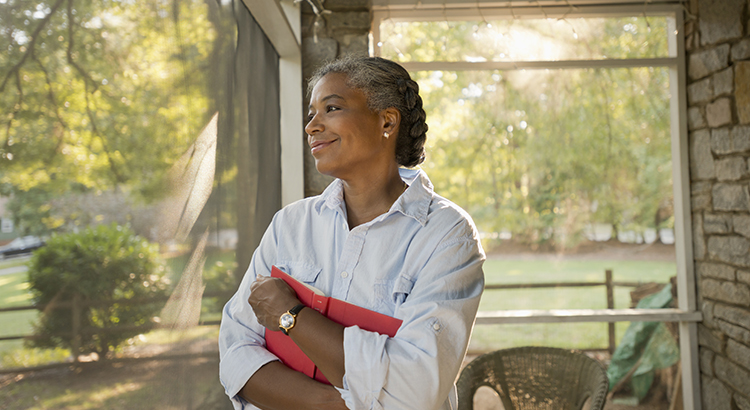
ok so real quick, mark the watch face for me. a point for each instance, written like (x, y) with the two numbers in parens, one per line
(286, 320)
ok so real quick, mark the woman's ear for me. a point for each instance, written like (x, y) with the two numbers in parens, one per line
(391, 119)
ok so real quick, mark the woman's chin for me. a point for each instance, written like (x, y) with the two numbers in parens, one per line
(324, 169)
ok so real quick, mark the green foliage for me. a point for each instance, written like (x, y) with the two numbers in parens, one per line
(524, 39)
(30, 211)
(218, 278)
(97, 96)
(106, 264)
(546, 154)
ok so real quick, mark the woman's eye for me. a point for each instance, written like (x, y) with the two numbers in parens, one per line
(331, 108)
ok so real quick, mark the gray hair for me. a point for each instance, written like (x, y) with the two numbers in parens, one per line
(386, 84)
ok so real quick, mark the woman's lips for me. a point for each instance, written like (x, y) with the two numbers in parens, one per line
(317, 146)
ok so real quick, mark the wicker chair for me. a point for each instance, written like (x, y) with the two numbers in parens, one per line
(535, 378)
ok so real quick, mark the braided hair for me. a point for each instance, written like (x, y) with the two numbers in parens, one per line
(386, 84)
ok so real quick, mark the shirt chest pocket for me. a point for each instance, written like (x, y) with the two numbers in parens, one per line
(391, 293)
(301, 271)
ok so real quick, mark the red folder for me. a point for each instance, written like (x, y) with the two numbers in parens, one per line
(341, 312)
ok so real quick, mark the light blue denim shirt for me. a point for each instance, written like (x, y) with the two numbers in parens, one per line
(420, 262)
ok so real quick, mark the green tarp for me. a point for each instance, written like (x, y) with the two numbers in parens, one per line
(649, 342)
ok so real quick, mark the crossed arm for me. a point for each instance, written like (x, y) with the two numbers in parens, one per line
(319, 338)
(415, 369)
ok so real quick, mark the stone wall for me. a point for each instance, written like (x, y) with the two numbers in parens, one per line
(718, 53)
(343, 31)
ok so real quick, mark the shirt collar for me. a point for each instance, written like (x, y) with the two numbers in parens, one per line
(414, 202)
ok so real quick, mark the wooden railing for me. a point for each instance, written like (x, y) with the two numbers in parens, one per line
(609, 286)
(77, 307)
(611, 315)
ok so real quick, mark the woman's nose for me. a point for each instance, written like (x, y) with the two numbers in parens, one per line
(313, 126)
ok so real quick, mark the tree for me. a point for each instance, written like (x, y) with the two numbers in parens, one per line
(545, 154)
(98, 96)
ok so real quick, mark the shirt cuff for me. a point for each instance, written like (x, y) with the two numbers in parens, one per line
(238, 365)
(365, 368)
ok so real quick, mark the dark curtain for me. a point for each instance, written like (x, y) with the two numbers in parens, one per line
(258, 153)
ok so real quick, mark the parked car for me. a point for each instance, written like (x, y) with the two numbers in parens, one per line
(21, 246)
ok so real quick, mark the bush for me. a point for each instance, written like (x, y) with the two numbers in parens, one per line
(108, 263)
(218, 278)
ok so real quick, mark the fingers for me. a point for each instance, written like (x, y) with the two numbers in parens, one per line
(258, 281)
(270, 298)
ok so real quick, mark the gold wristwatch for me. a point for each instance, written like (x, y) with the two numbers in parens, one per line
(289, 319)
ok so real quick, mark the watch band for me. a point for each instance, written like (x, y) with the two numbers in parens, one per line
(295, 310)
(289, 319)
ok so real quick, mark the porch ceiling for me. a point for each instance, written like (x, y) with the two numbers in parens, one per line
(432, 4)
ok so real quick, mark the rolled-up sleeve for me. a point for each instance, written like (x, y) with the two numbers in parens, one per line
(417, 368)
(241, 338)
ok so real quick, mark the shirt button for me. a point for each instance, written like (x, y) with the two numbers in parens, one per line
(344, 274)
(436, 326)
(343, 225)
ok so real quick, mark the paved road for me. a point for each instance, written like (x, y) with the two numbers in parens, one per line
(15, 269)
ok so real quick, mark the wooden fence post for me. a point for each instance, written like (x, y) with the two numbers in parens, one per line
(76, 312)
(610, 305)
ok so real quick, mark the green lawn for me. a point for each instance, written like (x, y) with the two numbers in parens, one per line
(511, 272)
(10, 263)
(14, 292)
(569, 335)
(523, 271)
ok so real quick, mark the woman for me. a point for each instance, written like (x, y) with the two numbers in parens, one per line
(378, 237)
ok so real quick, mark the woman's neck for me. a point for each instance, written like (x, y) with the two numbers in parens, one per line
(366, 199)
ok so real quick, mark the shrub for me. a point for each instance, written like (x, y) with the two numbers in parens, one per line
(218, 278)
(108, 264)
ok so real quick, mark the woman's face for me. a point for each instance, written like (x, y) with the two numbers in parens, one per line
(345, 136)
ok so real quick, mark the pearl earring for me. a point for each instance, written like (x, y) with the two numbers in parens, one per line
(385, 134)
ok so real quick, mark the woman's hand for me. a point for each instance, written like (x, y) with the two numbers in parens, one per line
(270, 298)
(319, 338)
